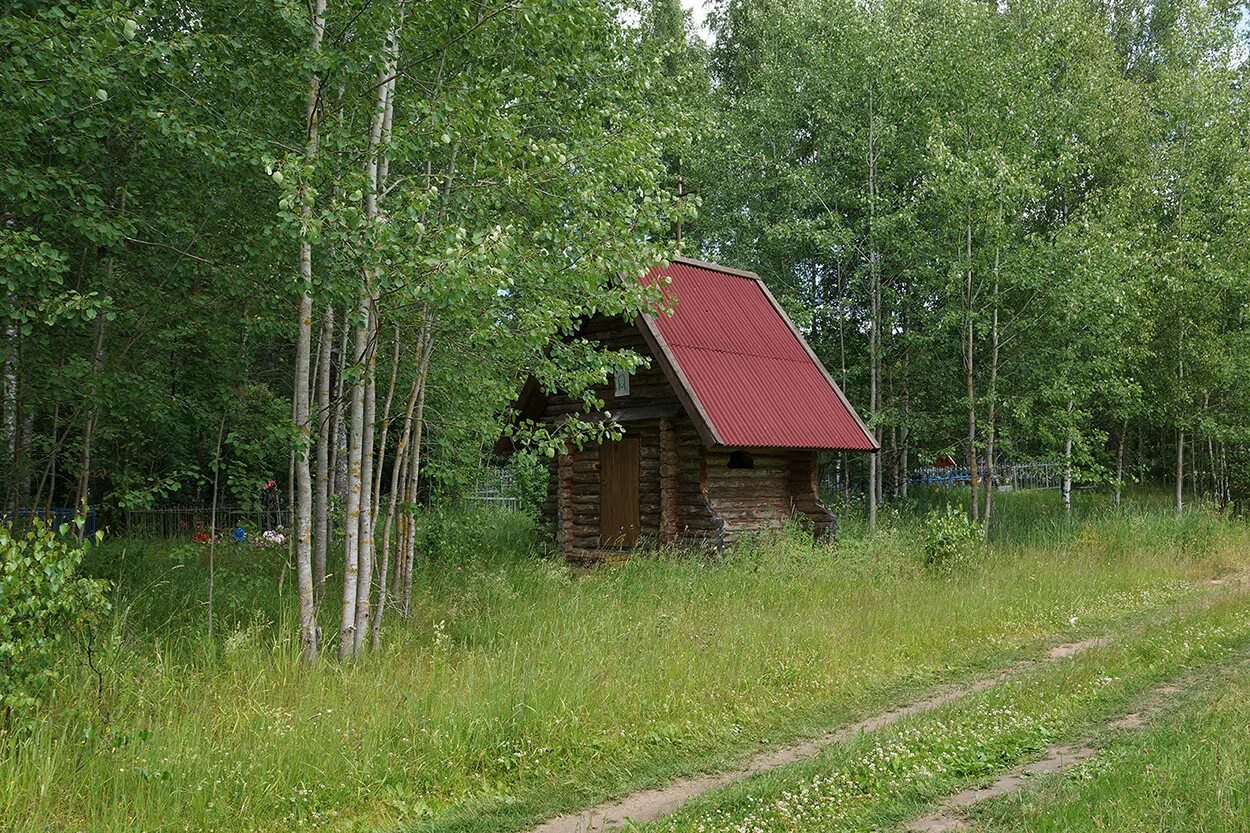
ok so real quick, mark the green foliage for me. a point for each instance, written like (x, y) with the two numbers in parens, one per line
(1051, 200)
(531, 475)
(44, 606)
(951, 541)
(152, 197)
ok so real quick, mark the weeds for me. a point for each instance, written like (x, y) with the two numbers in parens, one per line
(519, 688)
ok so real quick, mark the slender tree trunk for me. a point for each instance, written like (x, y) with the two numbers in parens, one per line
(1180, 470)
(398, 475)
(9, 384)
(1067, 463)
(1194, 474)
(904, 435)
(322, 528)
(874, 343)
(212, 524)
(339, 453)
(303, 358)
(1211, 473)
(970, 378)
(364, 590)
(93, 414)
(1227, 493)
(1119, 463)
(303, 477)
(376, 501)
(48, 478)
(351, 534)
(355, 620)
(844, 467)
(414, 465)
(992, 410)
(22, 471)
(380, 463)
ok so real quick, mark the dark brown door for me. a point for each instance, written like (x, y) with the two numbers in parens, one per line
(619, 463)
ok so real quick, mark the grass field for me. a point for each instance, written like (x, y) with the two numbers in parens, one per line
(884, 779)
(1186, 774)
(520, 688)
(881, 781)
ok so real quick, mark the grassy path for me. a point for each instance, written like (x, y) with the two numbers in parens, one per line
(648, 805)
(952, 813)
(656, 803)
(1181, 769)
(899, 774)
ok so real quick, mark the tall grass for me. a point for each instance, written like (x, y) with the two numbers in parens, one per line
(1029, 517)
(520, 687)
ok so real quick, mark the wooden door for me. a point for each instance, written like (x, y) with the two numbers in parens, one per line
(619, 519)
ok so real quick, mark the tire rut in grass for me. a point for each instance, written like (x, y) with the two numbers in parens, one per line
(651, 804)
(951, 814)
(655, 803)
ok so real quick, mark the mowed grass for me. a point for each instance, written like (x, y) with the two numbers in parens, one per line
(1189, 773)
(520, 688)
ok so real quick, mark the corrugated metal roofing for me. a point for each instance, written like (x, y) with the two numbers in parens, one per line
(747, 368)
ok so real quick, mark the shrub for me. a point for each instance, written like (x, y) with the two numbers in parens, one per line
(950, 539)
(43, 603)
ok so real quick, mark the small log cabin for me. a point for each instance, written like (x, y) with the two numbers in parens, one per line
(720, 429)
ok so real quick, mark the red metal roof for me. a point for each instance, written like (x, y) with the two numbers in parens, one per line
(751, 376)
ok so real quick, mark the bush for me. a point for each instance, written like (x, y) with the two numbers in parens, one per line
(43, 603)
(950, 539)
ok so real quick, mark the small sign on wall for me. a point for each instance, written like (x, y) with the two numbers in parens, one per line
(622, 383)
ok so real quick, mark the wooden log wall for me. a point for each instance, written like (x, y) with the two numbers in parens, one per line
(752, 499)
(698, 523)
(805, 494)
(670, 497)
(578, 517)
(688, 494)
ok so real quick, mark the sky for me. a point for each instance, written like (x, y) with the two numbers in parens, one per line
(698, 11)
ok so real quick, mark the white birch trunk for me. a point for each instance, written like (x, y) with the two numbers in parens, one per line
(322, 529)
(991, 426)
(303, 356)
(364, 587)
(354, 628)
(874, 343)
(351, 534)
(339, 453)
(1067, 464)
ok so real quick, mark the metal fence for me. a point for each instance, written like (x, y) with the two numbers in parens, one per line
(1007, 476)
(496, 489)
(56, 516)
(195, 521)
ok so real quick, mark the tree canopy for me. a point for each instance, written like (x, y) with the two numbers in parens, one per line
(323, 244)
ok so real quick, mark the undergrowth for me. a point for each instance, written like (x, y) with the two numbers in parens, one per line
(520, 687)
